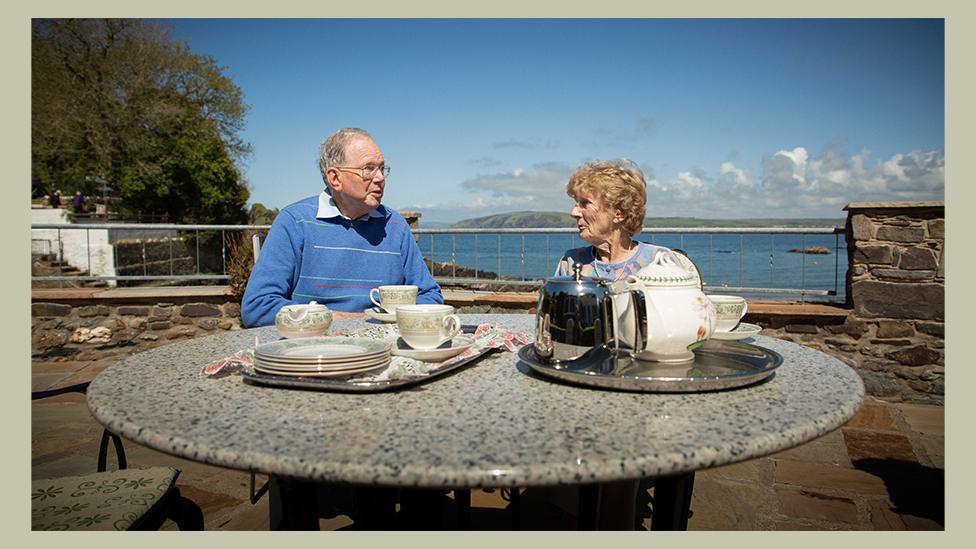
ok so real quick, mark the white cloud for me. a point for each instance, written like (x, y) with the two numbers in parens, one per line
(791, 183)
(794, 183)
(731, 176)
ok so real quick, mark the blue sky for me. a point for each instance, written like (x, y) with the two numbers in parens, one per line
(727, 118)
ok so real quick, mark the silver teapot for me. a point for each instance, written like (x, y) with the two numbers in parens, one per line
(577, 314)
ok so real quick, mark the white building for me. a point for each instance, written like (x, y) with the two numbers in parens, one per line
(85, 247)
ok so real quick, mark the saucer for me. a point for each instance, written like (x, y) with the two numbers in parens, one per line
(446, 350)
(380, 314)
(742, 331)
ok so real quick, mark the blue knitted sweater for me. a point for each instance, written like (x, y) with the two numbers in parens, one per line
(334, 261)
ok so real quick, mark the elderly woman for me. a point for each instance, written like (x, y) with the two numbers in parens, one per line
(609, 212)
(610, 206)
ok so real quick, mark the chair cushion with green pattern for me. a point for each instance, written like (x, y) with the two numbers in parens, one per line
(111, 500)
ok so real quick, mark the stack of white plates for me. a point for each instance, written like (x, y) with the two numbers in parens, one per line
(321, 356)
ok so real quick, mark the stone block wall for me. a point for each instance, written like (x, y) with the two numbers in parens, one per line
(896, 360)
(96, 331)
(895, 334)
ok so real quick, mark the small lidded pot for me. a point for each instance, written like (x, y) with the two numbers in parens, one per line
(303, 320)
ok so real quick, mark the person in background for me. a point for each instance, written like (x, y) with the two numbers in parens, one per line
(55, 199)
(334, 247)
(611, 200)
(78, 202)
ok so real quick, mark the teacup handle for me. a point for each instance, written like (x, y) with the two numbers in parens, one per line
(453, 326)
(745, 307)
(375, 300)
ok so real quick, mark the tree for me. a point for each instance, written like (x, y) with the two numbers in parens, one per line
(261, 214)
(116, 102)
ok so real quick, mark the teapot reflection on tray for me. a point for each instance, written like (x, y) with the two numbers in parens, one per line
(658, 315)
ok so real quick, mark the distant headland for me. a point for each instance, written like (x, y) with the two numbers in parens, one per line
(522, 220)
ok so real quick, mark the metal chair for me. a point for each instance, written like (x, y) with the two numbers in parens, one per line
(125, 499)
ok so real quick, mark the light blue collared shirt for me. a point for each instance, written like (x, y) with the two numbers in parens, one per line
(328, 209)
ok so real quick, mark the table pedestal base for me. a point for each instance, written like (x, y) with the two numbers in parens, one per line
(672, 502)
(292, 505)
(297, 505)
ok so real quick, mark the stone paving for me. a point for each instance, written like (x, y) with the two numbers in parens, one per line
(883, 470)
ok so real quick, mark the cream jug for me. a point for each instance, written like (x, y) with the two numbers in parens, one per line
(678, 317)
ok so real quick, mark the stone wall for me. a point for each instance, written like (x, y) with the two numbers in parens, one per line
(896, 362)
(896, 289)
(97, 331)
(894, 334)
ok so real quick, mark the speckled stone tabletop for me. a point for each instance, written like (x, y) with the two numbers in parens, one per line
(491, 423)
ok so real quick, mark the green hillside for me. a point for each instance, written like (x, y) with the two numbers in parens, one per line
(517, 220)
(522, 220)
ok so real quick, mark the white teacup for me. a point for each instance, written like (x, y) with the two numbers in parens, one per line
(389, 298)
(427, 326)
(729, 310)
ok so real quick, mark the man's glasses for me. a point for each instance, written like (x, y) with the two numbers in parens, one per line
(367, 172)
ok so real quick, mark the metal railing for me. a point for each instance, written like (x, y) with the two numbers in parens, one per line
(115, 233)
(511, 260)
(433, 249)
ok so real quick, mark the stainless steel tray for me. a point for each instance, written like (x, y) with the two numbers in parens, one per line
(354, 385)
(718, 365)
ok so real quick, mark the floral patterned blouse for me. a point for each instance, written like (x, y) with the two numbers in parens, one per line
(613, 271)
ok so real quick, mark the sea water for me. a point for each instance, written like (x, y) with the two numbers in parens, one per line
(724, 260)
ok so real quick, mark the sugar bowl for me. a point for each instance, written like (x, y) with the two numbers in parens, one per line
(303, 320)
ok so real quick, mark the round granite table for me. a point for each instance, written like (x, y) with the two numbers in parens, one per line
(492, 423)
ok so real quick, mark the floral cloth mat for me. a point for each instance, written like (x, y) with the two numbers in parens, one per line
(486, 338)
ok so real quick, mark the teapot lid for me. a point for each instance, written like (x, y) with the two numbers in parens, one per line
(663, 272)
(577, 278)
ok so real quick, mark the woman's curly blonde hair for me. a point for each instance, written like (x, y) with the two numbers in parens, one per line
(619, 184)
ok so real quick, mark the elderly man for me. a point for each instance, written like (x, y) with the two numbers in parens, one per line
(334, 247)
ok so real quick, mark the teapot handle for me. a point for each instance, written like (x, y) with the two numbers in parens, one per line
(643, 311)
(661, 257)
(626, 308)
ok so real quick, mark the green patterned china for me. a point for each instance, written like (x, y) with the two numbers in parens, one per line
(388, 298)
(742, 331)
(319, 349)
(427, 326)
(377, 313)
(729, 310)
(442, 352)
(303, 320)
(321, 356)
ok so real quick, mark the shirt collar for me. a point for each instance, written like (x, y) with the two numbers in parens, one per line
(328, 209)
